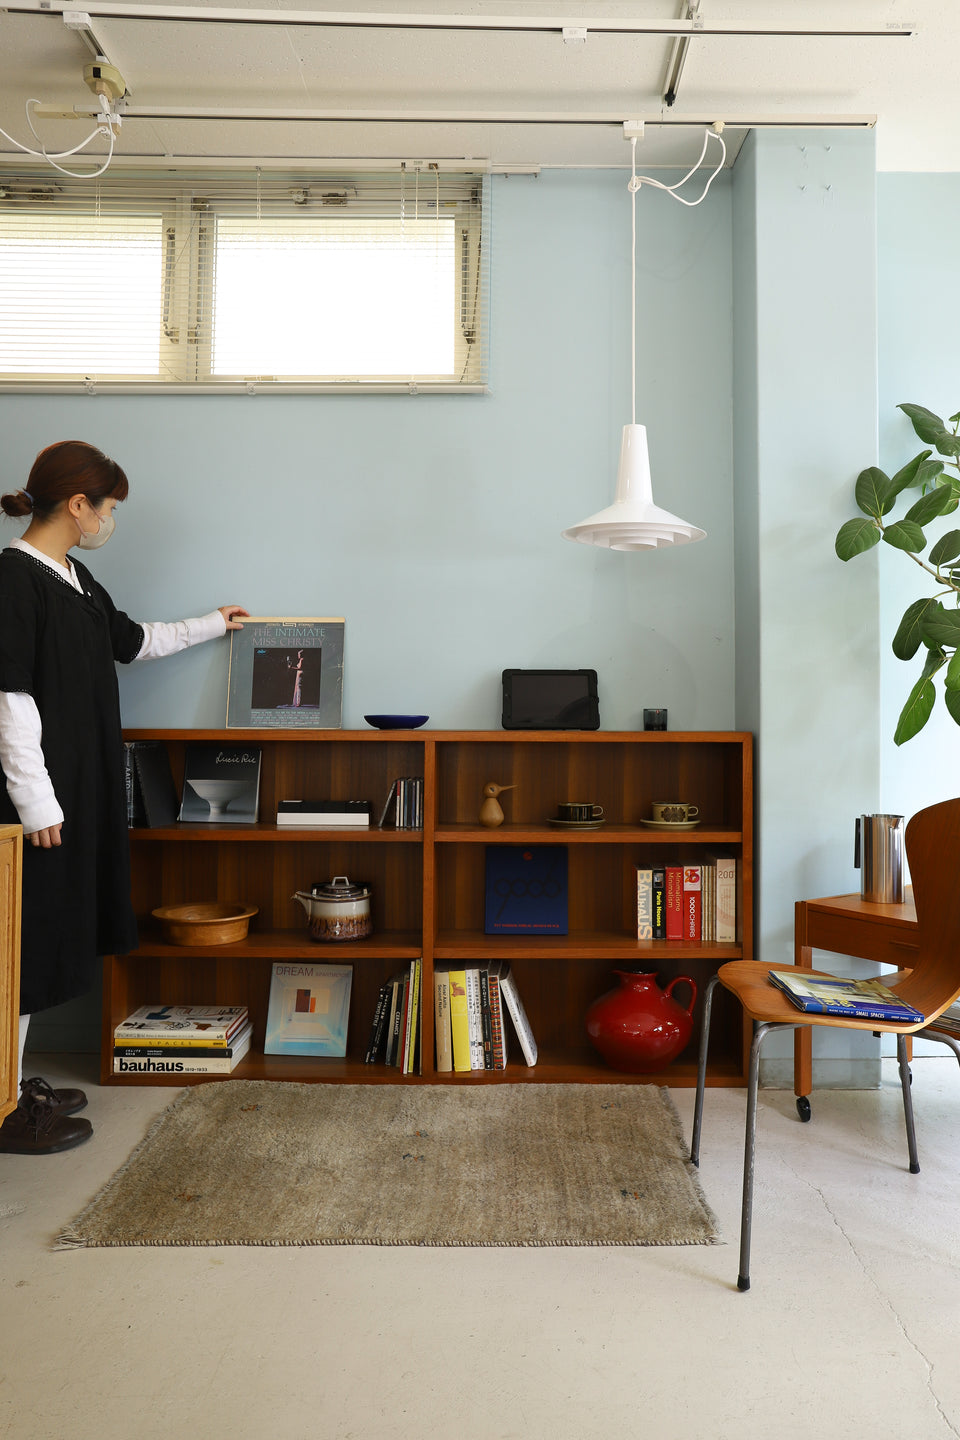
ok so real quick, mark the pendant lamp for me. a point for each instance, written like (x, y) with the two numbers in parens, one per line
(633, 522)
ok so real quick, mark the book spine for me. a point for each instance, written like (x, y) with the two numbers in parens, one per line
(475, 1017)
(413, 1017)
(441, 1022)
(518, 1015)
(174, 1041)
(486, 1020)
(692, 901)
(459, 1020)
(659, 885)
(644, 904)
(496, 1022)
(180, 1065)
(673, 905)
(378, 1028)
(173, 1052)
(726, 904)
(401, 1027)
(390, 1049)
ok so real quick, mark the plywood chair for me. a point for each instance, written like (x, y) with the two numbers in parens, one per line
(933, 983)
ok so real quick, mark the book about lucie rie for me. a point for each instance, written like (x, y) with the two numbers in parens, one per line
(308, 1010)
(852, 999)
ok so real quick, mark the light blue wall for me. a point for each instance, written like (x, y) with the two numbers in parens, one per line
(805, 414)
(919, 218)
(432, 523)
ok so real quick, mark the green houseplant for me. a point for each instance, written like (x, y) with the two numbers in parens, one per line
(930, 625)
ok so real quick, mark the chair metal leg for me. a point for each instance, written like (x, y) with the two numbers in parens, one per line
(749, 1154)
(702, 1069)
(907, 1104)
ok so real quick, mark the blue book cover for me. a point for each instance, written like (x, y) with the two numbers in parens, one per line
(526, 890)
(854, 999)
(309, 1009)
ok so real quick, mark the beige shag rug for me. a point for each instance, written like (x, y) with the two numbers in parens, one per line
(253, 1162)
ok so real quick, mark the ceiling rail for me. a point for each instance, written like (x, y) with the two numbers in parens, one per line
(550, 24)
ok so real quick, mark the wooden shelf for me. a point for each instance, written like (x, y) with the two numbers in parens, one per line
(428, 887)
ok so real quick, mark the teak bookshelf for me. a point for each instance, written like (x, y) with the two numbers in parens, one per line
(428, 886)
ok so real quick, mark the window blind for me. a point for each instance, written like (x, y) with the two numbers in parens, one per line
(244, 280)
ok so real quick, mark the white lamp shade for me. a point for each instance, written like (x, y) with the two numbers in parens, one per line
(633, 522)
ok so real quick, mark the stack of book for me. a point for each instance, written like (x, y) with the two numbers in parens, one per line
(404, 803)
(182, 1040)
(949, 1020)
(470, 1010)
(689, 902)
(395, 1032)
(325, 814)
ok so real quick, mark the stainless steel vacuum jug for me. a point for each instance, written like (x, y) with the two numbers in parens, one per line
(878, 854)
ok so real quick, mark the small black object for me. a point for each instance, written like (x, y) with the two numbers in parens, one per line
(803, 1107)
(550, 700)
(654, 719)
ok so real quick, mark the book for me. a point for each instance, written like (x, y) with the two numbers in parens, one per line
(221, 784)
(459, 1020)
(322, 813)
(692, 902)
(497, 1025)
(396, 994)
(405, 799)
(518, 1014)
(526, 890)
(308, 1010)
(441, 1021)
(135, 811)
(486, 1019)
(181, 1024)
(673, 902)
(852, 999)
(183, 1063)
(659, 902)
(726, 902)
(189, 1050)
(644, 904)
(148, 780)
(949, 1020)
(400, 1030)
(413, 1017)
(708, 914)
(475, 1018)
(378, 1027)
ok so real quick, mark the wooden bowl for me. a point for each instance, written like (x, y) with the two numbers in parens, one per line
(205, 922)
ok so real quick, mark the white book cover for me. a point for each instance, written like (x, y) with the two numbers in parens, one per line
(519, 1016)
(726, 903)
(309, 1008)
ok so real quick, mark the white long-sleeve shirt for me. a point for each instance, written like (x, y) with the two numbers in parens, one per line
(21, 730)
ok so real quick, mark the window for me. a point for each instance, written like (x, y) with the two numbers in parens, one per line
(217, 281)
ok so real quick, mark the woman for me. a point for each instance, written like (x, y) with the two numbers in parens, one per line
(61, 751)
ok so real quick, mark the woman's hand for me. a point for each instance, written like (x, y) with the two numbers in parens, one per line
(46, 839)
(229, 611)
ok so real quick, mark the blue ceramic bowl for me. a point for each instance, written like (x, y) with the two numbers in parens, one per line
(396, 722)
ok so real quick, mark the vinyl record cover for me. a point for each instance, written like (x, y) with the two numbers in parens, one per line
(526, 890)
(309, 1009)
(221, 784)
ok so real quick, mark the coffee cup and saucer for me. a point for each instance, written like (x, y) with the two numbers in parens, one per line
(672, 815)
(577, 815)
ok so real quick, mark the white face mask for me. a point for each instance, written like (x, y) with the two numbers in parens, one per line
(100, 537)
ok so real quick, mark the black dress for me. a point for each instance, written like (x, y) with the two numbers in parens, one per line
(59, 646)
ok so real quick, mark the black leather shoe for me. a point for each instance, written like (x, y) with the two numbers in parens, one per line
(65, 1102)
(37, 1128)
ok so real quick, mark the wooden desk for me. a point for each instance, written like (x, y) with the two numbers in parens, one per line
(848, 925)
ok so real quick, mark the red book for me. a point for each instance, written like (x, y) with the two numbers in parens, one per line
(674, 902)
(692, 901)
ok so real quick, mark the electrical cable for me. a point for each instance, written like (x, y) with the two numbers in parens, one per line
(104, 127)
(712, 133)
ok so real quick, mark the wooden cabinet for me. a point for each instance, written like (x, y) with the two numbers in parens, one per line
(428, 886)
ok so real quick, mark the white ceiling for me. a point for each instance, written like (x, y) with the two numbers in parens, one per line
(909, 84)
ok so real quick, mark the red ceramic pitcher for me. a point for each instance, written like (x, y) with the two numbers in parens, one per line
(639, 1028)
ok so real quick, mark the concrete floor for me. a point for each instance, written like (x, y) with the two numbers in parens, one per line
(851, 1329)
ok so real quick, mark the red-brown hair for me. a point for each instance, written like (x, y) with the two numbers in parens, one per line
(70, 467)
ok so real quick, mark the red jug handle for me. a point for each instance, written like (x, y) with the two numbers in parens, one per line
(684, 980)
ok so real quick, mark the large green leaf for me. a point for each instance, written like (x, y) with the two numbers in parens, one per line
(910, 474)
(928, 472)
(856, 536)
(952, 677)
(905, 535)
(946, 548)
(952, 702)
(916, 712)
(928, 507)
(926, 424)
(947, 443)
(942, 627)
(909, 636)
(873, 492)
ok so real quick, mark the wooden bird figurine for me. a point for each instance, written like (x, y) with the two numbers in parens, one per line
(491, 811)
